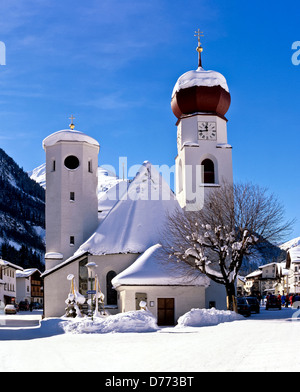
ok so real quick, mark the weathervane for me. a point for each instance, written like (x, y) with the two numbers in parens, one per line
(199, 47)
(72, 126)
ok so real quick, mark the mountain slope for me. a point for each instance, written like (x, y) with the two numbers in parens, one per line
(22, 215)
(291, 244)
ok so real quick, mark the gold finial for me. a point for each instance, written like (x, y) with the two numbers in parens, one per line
(199, 47)
(72, 126)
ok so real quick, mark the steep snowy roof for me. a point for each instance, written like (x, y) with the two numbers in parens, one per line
(68, 135)
(9, 264)
(135, 222)
(200, 77)
(254, 274)
(26, 273)
(110, 190)
(151, 269)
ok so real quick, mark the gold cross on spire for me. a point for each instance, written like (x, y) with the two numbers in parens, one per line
(72, 126)
(199, 48)
(199, 34)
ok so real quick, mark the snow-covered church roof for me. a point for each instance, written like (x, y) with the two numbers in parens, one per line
(152, 269)
(68, 135)
(135, 223)
(110, 190)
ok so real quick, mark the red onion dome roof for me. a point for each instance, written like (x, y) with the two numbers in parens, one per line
(200, 91)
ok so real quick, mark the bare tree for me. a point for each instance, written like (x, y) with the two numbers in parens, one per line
(215, 239)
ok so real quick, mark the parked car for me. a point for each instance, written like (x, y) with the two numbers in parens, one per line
(23, 305)
(273, 302)
(37, 305)
(243, 307)
(10, 309)
(254, 304)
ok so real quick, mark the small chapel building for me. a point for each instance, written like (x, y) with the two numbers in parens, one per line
(123, 242)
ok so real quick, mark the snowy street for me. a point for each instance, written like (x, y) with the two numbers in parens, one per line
(268, 341)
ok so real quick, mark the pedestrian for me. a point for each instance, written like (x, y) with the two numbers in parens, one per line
(30, 306)
(287, 301)
(279, 297)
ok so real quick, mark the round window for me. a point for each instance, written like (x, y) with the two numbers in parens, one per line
(71, 162)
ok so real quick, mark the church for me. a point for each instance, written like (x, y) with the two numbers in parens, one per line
(123, 242)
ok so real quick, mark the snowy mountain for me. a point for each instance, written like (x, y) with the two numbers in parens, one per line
(290, 244)
(22, 215)
(39, 175)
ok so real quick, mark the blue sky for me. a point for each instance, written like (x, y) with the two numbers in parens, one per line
(113, 65)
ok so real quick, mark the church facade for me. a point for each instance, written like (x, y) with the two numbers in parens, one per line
(124, 245)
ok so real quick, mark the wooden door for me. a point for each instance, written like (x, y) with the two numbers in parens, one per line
(165, 311)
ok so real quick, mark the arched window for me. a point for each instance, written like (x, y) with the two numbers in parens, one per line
(209, 171)
(111, 293)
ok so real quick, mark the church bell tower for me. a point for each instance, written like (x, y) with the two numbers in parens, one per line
(200, 100)
(71, 192)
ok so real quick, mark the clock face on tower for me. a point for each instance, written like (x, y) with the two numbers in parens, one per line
(207, 130)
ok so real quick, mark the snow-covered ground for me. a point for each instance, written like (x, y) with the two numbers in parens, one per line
(265, 342)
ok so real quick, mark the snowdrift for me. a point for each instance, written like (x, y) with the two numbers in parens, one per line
(207, 317)
(134, 321)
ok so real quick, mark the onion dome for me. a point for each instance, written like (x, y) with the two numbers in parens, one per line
(200, 91)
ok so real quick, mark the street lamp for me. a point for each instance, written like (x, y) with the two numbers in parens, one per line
(91, 266)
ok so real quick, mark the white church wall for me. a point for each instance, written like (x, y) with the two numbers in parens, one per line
(107, 263)
(57, 287)
(216, 294)
(186, 297)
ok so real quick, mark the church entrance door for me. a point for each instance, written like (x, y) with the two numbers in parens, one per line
(165, 311)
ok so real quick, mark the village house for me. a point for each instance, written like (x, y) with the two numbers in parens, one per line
(8, 282)
(293, 264)
(29, 286)
(267, 279)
